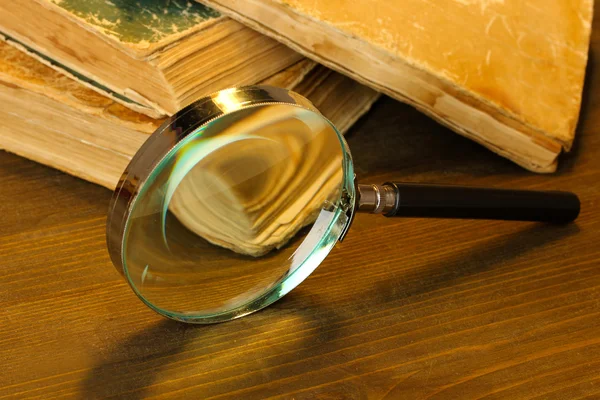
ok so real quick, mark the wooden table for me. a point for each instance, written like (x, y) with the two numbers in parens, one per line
(403, 309)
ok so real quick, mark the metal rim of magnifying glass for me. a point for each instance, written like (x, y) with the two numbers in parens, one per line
(164, 142)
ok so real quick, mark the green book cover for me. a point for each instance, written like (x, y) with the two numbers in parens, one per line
(141, 24)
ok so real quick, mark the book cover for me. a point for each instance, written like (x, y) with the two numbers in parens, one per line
(507, 74)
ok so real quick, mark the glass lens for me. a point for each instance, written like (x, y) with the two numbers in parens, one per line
(238, 213)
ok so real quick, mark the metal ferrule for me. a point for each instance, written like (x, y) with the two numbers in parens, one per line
(376, 199)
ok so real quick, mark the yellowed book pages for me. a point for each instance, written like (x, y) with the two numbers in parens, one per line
(253, 195)
(53, 119)
(506, 73)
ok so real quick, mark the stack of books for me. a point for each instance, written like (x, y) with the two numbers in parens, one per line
(84, 83)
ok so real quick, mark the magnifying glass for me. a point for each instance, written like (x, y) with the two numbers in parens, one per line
(238, 197)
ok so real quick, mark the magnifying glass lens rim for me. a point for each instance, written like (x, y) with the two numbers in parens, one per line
(164, 141)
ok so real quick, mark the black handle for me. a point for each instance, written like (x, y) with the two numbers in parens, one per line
(445, 201)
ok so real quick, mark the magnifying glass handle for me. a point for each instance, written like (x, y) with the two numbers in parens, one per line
(446, 201)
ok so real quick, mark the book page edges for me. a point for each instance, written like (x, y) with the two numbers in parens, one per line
(85, 154)
(133, 106)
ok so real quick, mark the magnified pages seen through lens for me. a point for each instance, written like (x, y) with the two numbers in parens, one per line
(261, 182)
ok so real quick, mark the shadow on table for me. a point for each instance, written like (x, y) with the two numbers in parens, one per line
(134, 363)
(480, 258)
(444, 272)
(142, 360)
(332, 320)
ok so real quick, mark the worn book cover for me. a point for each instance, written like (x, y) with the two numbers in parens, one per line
(506, 73)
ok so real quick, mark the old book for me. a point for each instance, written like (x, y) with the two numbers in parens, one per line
(505, 73)
(55, 120)
(154, 56)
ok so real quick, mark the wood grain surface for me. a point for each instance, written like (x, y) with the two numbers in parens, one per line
(402, 309)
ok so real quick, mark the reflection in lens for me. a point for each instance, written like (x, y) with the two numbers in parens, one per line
(231, 213)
